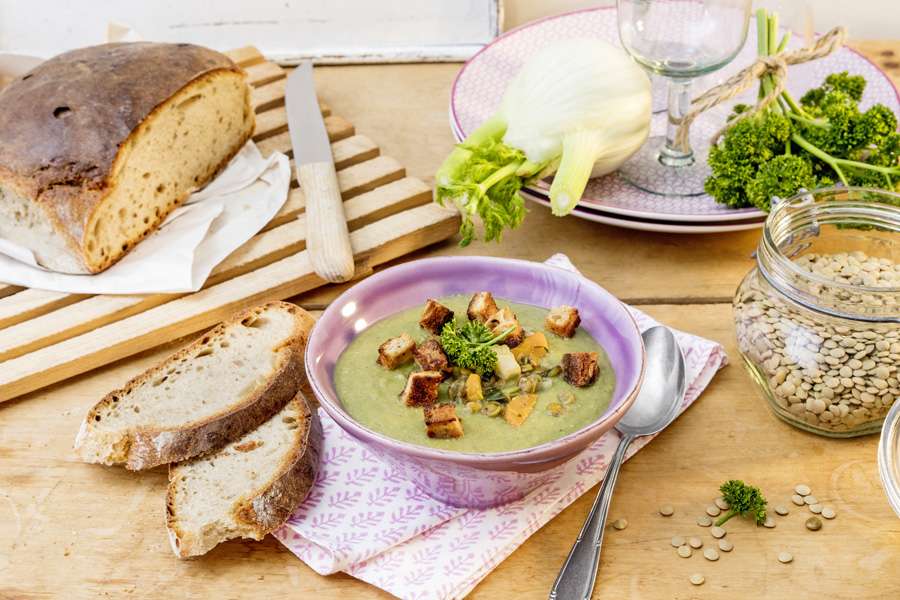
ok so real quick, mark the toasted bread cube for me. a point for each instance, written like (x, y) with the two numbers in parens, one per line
(430, 356)
(503, 320)
(507, 366)
(534, 346)
(396, 351)
(435, 316)
(519, 408)
(422, 388)
(441, 422)
(563, 320)
(474, 391)
(580, 368)
(481, 307)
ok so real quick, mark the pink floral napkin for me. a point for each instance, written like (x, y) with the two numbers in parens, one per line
(363, 518)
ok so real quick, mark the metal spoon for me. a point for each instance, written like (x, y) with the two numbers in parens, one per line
(656, 406)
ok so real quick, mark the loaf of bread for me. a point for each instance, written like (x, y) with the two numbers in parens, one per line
(99, 145)
(208, 394)
(248, 488)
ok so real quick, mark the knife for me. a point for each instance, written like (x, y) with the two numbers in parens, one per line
(327, 237)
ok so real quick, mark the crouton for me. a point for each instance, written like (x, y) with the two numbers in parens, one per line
(481, 307)
(563, 320)
(435, 316)
(396, 351)
(519, 408)
(507, 366)
(441, 422)
(580, 368)
(474, 390)
(421, 388)
(534, 347)
(430, 356)
(503, 320)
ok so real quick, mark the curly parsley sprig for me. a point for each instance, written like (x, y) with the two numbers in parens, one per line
(743, 500)
(469, 346)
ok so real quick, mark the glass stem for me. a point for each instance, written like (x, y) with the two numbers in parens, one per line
(679, 105)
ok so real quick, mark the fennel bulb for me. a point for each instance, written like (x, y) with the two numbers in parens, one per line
(578, 108)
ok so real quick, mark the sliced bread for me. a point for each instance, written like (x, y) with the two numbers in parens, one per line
(228, 382)
(247, 488)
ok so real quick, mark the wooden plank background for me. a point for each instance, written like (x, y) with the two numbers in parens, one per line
(81, 531)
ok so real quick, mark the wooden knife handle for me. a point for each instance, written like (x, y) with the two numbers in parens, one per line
(327, 237)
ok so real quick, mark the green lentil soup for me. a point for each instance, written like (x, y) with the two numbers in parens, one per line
(370, 393)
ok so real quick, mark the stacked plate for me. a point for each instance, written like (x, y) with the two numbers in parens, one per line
(480, 84)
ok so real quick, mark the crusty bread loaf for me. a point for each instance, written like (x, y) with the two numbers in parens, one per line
(98, 145)
(213, 391)
(249, 487)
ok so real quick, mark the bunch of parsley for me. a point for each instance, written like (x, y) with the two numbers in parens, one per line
(822, 140)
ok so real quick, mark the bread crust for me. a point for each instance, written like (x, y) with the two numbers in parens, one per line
(146, 448)
(66, 162)
(260, 513)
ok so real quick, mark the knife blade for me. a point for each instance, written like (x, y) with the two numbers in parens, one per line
(327, 236)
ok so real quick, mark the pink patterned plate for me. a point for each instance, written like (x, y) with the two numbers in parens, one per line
(480, 84)
(599, 216)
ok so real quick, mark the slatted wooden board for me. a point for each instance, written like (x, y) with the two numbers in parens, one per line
(46, 337)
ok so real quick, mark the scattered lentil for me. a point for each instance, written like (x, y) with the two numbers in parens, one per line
(717, 532)
(785, 557)
(808, 500)
(711, 554)
(725, 545)
(704, 521)
(677, 541)
(697, 579)
(722, 503)
(769, 523)
(685, 551)
(828, 512)
(620, 524)
(666, 510)
(815, 509)
(781, 509)
(814, 523)
(713, 510)
(695, 543)
(824, 375)
(797, 499)
(802, 489)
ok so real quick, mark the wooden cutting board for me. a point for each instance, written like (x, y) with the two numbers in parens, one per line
(46, 337)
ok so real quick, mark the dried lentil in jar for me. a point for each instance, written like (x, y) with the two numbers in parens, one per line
(818, 318)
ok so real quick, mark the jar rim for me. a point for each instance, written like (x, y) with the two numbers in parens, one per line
(776, 233)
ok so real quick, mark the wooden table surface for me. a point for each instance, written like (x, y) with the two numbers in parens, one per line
(69, 530)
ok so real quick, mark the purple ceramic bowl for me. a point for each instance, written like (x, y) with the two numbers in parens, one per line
(476, 479)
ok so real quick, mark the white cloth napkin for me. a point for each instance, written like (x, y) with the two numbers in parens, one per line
(362, 518)
(195, 237)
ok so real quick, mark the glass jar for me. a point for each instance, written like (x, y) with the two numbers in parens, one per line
(818, 318)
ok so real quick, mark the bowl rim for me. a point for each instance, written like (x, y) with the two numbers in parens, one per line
(534, 454)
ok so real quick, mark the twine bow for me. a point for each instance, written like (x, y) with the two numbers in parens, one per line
(775, 65)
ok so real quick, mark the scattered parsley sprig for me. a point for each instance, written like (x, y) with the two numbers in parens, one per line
(744, 500)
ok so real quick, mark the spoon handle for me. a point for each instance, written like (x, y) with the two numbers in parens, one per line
(577, 576)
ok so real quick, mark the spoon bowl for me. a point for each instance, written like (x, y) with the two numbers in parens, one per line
(664, 383)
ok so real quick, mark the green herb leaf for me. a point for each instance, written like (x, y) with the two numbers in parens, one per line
(744, 499)
(469, 346)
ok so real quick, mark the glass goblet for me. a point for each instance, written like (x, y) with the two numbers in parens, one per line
(678, 40)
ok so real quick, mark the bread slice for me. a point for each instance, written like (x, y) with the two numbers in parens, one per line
(248, 488)
(215, 390)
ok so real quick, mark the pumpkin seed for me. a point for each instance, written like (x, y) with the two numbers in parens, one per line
(492, 409)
